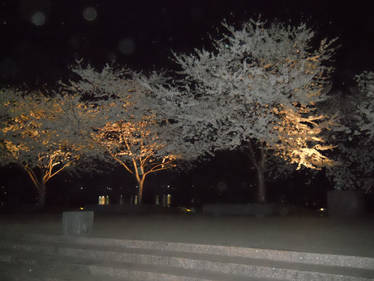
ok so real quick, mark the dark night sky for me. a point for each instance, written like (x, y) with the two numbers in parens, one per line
(40, 38)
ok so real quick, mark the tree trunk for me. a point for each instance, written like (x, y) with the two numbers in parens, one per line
(261, 186)
(141, 187)
(41, 196)
(258, 160)
(40, 187)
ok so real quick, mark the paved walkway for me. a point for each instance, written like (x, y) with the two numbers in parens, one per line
(297, 233)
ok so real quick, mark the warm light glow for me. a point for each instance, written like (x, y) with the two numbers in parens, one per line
(135, 146)
(300, 138)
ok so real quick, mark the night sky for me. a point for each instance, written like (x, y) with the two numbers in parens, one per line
(40, 38)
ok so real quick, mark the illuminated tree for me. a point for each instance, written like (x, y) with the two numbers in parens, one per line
(133, 135)
(44, 135)
(260, 86)
(136, 148)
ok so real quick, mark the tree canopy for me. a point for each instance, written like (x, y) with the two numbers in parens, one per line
(260, 86)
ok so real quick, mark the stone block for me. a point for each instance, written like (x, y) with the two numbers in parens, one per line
(77, 222)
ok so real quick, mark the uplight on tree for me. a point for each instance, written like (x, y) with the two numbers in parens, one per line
(133, 135)
(44, 135)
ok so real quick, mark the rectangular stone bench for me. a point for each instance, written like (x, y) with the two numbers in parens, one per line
(77, 222)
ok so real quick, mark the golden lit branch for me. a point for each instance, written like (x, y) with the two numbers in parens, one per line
(136, 147)
(39, 136)
(300, 139)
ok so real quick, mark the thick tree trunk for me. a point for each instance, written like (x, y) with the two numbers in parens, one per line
(261, 186)
(258, 160)
(41, 196)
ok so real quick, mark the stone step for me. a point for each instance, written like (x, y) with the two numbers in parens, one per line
(54, 268)
(225, 251)
(191, 261)
(27, 269)
(97, 256)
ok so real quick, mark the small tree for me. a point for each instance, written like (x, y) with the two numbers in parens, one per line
(259, 87)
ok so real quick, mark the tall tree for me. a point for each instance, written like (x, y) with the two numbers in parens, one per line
(259, 86)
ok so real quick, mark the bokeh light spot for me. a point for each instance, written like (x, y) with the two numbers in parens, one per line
(38, 18)
(90, 14)
(126, 46)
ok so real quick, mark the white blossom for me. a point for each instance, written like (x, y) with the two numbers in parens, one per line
(241, 92)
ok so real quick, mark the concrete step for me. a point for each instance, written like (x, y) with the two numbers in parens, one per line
(31, 272)
(53, 268)
(150, 258)
(267, 254)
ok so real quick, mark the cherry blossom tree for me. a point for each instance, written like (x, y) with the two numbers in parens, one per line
(133, 135)
(136, 148)
(44, 135)
(260, 87)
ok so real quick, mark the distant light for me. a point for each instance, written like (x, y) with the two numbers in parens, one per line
(38, 18)
(81, 208)
(89, 14)
(322, 209)
(126, 46)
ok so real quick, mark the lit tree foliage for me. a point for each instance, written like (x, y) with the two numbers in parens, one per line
(133, 135)
(300, 138)
(43, 134)
(136, 148)
(260, 86)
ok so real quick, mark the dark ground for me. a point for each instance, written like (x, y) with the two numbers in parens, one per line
(307, 232)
